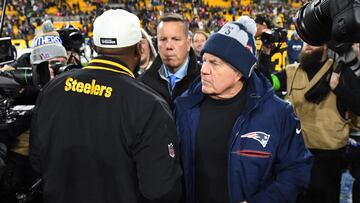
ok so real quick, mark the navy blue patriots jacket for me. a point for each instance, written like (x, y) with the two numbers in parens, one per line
(267, 159)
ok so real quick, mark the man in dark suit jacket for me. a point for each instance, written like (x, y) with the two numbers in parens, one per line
(175, 68)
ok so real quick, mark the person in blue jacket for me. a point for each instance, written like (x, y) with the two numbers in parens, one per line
(239, 141)
(294, 47)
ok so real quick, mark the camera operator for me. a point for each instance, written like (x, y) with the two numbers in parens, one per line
(324, 93)
(262, 24)
(69, 36)
(275, 39)
(322, 100)
(47, 52)
(73, 41)
(294, 47)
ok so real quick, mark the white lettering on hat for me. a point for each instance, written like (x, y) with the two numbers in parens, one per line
(46, 40)
(234, 31)
(108, 41)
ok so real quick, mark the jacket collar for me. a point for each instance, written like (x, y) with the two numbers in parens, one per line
(109, 64)
(257, 89)
(154, 68)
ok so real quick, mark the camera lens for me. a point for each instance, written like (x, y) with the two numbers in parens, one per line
(56, 66)
(313, 22)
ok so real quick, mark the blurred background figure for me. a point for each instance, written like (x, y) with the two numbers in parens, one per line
(263, 23)
(197, 43)
(147, 52)
(294, 47)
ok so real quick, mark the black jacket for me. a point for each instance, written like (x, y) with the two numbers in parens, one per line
(152, 78)
(104, 138)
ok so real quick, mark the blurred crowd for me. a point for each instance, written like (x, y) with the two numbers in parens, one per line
(24, 16)
(221, 64)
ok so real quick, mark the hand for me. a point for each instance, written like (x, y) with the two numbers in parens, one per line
(334, 80)
(7, 68)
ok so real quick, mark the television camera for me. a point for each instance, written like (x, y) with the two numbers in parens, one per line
(73, 41)
(12, 83)
(320, 21)
(274, 39)
(336, 23)
(275, 35)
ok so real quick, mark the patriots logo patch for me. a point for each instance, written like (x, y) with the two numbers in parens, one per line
(261, 137)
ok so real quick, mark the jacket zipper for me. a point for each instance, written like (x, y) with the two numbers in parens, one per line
(231, 146)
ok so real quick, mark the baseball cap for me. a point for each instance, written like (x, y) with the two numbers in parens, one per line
(116, 29)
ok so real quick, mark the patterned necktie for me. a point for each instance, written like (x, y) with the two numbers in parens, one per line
(172, 81)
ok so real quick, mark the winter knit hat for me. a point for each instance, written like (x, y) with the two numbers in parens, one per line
(47, 45)
(47, 35)
(234, 44)
(249, 23)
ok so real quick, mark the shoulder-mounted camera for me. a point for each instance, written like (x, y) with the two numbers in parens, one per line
(72, 38)
(275, 35)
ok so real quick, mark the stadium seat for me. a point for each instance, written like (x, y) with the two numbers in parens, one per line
(221, 3)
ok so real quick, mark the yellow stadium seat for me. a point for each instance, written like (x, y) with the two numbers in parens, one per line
(52, 10)
(147, 3)
(221, 3)
(188, 6)
(83, 5)
(228, 17)
(245, 2)
(60, 24)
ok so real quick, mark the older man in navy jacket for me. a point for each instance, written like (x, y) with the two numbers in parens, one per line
(240, 142)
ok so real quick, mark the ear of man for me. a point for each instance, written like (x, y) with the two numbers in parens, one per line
(139, 49)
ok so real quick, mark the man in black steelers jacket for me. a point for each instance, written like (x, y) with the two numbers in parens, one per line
(101, 136)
